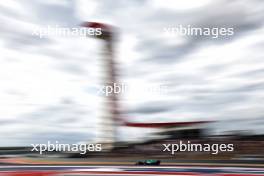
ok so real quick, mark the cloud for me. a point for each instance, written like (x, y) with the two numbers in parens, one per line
(150, 108)
(235, 15)
(65, 122)
(207, 78)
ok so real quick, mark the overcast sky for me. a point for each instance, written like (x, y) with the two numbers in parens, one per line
(49, 86)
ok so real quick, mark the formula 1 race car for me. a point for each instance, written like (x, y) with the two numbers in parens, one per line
(149, 163)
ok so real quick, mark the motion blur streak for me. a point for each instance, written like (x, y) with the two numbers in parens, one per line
(193, 71)
(115, 170)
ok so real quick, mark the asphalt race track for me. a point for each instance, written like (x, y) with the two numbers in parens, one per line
(26, 170)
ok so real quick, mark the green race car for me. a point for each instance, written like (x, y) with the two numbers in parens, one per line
(149, 162)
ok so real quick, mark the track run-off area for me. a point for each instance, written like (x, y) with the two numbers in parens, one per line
(48, 170)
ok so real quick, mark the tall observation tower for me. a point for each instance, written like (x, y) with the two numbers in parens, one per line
(110, 116)
(110, 112)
